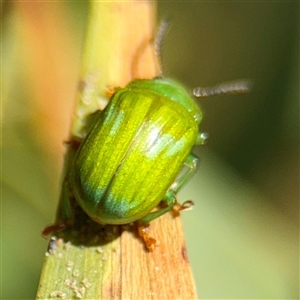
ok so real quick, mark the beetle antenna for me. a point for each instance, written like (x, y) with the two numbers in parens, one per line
(232, 87)
(162, 31)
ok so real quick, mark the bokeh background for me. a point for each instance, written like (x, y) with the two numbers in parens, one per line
(243, 234)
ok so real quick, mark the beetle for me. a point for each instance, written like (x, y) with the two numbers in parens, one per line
(138, 154)
(131, 158)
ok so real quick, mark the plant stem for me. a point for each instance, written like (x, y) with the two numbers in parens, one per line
(91, 261)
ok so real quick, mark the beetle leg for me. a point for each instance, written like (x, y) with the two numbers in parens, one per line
(202, 138)
(170, 199)
(191, 164)
(186, 205)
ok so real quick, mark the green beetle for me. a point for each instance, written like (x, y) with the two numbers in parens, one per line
(137, 154)
(131, 158)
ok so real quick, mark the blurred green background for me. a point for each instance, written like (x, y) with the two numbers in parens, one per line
(243, 234)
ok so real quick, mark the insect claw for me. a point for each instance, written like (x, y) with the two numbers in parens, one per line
(186, 205)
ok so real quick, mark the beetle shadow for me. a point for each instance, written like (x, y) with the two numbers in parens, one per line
(82, 231)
